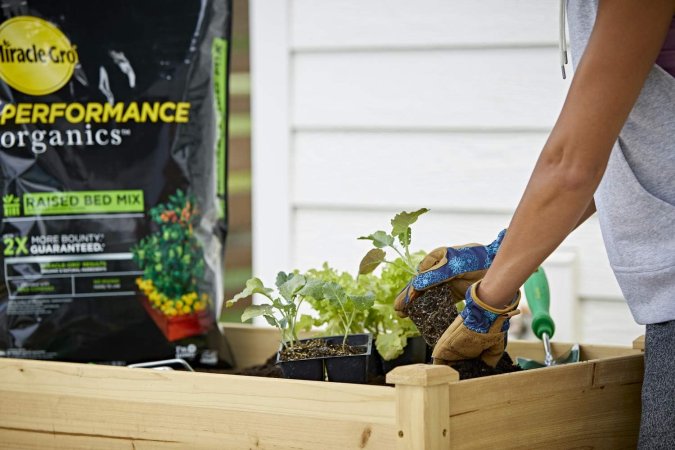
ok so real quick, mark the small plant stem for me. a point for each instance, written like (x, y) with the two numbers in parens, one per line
(407, 249)
(407, 262)
(295, 319)
(349, 326)
(346, 324)
(407, 267)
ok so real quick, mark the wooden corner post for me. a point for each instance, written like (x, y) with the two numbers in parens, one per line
(422, 406)
(639, 343)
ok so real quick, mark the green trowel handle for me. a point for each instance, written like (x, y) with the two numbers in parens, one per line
(539, 299)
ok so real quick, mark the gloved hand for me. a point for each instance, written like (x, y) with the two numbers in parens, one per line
(478, 331)
(459, 266)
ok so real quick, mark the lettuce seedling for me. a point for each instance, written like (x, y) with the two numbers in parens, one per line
(281, 310)
(390, 331)
(401, 232)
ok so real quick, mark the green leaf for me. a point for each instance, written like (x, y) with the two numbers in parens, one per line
(304, 323)
(333, 292)
(402, 220)
(380, 239)
(282, 277)
(290, 288)
(270, 320)
(253, 286)
(363, 302)
(390, 345)
(312, 288)
(373, 258)
(406, 237)
(256, 311)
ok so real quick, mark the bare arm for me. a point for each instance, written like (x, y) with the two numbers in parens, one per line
(626, 39)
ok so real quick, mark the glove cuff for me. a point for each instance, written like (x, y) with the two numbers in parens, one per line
(511, 307)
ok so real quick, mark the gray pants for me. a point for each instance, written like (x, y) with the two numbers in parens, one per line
(657, 427)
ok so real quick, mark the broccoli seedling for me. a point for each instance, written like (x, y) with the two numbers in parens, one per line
(401, 232)
(281, 310)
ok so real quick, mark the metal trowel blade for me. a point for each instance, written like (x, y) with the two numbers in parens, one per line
(570, 357)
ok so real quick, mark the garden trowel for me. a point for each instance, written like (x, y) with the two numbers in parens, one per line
(538, 298)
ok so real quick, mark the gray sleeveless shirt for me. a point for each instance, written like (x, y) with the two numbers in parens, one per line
(636, 198)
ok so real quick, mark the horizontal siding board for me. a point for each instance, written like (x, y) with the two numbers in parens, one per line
(607, 322)
(423, 23)
(497, 89)
(467, 171)
(334, 232)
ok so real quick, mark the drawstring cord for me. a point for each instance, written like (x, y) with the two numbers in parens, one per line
(562, 38)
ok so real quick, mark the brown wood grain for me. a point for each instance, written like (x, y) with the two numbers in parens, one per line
(239, 212)
(239, 158)
(592, 404)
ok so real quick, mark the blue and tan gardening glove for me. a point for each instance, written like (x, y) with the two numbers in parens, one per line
(478, 332)
(459, 266)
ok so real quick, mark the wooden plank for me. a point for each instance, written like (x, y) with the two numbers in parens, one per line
(588, 404)
(239, 62)
(604, 321)
(422, 410)
(495, 89)
(240, 104)
(621, 370)
(395, 24)
(580, 418)
(359, 170)
(238, 252)
(192, 410)
(535, 350)
(239, 158)
(639, 343)
(13, 439)
(185, 426)
(422, 375)
(239, 211)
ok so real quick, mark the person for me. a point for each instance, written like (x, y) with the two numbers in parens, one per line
(612, 149)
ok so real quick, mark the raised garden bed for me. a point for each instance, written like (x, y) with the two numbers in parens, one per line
(592, 404)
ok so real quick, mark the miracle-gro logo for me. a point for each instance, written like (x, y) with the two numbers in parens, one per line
(33, 54)
(36, 58)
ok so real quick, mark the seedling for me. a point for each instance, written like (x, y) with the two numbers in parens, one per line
(282, 308)
(401, 232)
(347, 305)
(390, 331)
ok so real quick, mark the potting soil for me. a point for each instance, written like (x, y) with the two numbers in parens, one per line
(318, 348)
(433, 312)
(113, 133)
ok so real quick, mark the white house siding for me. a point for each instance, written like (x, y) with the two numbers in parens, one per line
(363, 108)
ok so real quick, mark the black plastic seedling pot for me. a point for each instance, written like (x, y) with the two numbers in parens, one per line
(302, 369)
(415, 352)
(352, 368)
(342, 369)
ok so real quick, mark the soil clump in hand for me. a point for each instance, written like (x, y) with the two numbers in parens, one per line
(433, 312)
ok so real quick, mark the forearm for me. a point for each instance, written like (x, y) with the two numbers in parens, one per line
(623, 46)
(590, 210)
(553, 205)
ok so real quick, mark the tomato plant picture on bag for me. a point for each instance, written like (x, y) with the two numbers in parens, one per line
(172, 262)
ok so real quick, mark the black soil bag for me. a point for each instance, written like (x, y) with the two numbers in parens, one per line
(113, 134)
